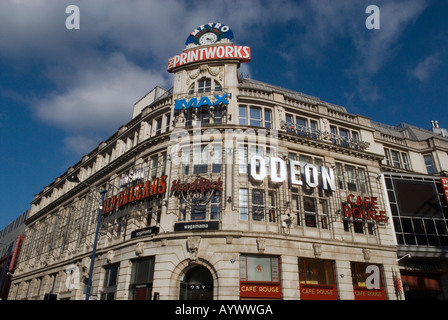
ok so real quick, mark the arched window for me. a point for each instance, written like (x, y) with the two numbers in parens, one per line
(204, 85)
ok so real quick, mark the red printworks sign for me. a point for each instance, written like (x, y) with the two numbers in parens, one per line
(241, 53)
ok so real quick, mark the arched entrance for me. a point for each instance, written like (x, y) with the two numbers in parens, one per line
(196, 284)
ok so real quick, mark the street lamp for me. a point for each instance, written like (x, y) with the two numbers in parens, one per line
(73, 178)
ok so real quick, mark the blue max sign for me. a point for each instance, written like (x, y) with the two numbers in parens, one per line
(205, 101)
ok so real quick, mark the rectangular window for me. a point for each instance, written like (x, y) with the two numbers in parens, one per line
(260, 277)
(110, 283)
(198, 209)
(267, 118)
(142, 278)
(255, 116)
(215, 206)
(158, 125)
(317, 279)
(244, 204)
(396, 159)
(429, 164)
(243, 158)
(309, 206)
(204, 85)
(242, 112)
(257, 205)
(351, 178)
(154, 164)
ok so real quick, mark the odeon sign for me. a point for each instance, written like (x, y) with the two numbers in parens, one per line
(278, 172)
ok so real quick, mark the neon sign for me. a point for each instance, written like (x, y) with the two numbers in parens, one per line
(204, 101)
(132, 194)
(363, 208)
(278, 172)
(225, 51)
(209, 33)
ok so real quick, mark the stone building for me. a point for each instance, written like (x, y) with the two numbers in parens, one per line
(224, 188)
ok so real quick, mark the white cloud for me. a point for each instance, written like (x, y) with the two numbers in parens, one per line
(426, 67)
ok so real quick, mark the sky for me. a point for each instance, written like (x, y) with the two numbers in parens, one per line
(63, 91)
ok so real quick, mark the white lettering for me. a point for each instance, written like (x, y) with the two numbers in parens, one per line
(373, 280)
(311, 181)
(328, 180)
(278, 170)
(259, 174)
(72, 21)
(373, 21)
(295, 172)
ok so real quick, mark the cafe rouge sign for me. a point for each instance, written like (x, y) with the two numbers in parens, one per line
(132, 194)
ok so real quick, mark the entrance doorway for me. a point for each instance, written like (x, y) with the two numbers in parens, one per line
(197, 284)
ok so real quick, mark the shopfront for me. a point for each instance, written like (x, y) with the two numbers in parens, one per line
(317, 279)
(260, 277)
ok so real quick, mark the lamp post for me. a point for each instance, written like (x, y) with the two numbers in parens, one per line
(74, 178)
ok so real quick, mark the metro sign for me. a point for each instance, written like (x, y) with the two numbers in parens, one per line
(204, 101)
(213, 52)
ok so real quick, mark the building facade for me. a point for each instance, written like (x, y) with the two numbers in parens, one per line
(225, 188)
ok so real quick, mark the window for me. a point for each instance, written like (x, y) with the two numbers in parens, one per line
(142, 278)
(200, 159)
(215, 205)
(302, 126)
(154, 164)
(244, 204)
(257, 205)
(255, 116)
(396, 159)
(429, 164)
(158, 125)
(242, 110)
(317, 279)
(344, 137)
(309, 206)
(167, 123)
(243, 158)
(261, 273)
(267, 118)
(351, 178)
(204, 85)
(364, 274)
(110, 283)
(218, 86)
(315, 271)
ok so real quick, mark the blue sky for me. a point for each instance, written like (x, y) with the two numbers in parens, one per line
(64, 91)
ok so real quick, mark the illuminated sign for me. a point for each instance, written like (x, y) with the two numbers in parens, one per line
(204, 101)
(318, 292)
(209, 33)
(225, 51)
(199, 185)
(133, 194)
(363, 208)
(198, 225)
(133, 175)
(278, 172)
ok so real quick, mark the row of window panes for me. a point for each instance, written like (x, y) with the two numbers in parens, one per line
(205, 85)
(397, 159)
(255, 116)
(199, 209)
